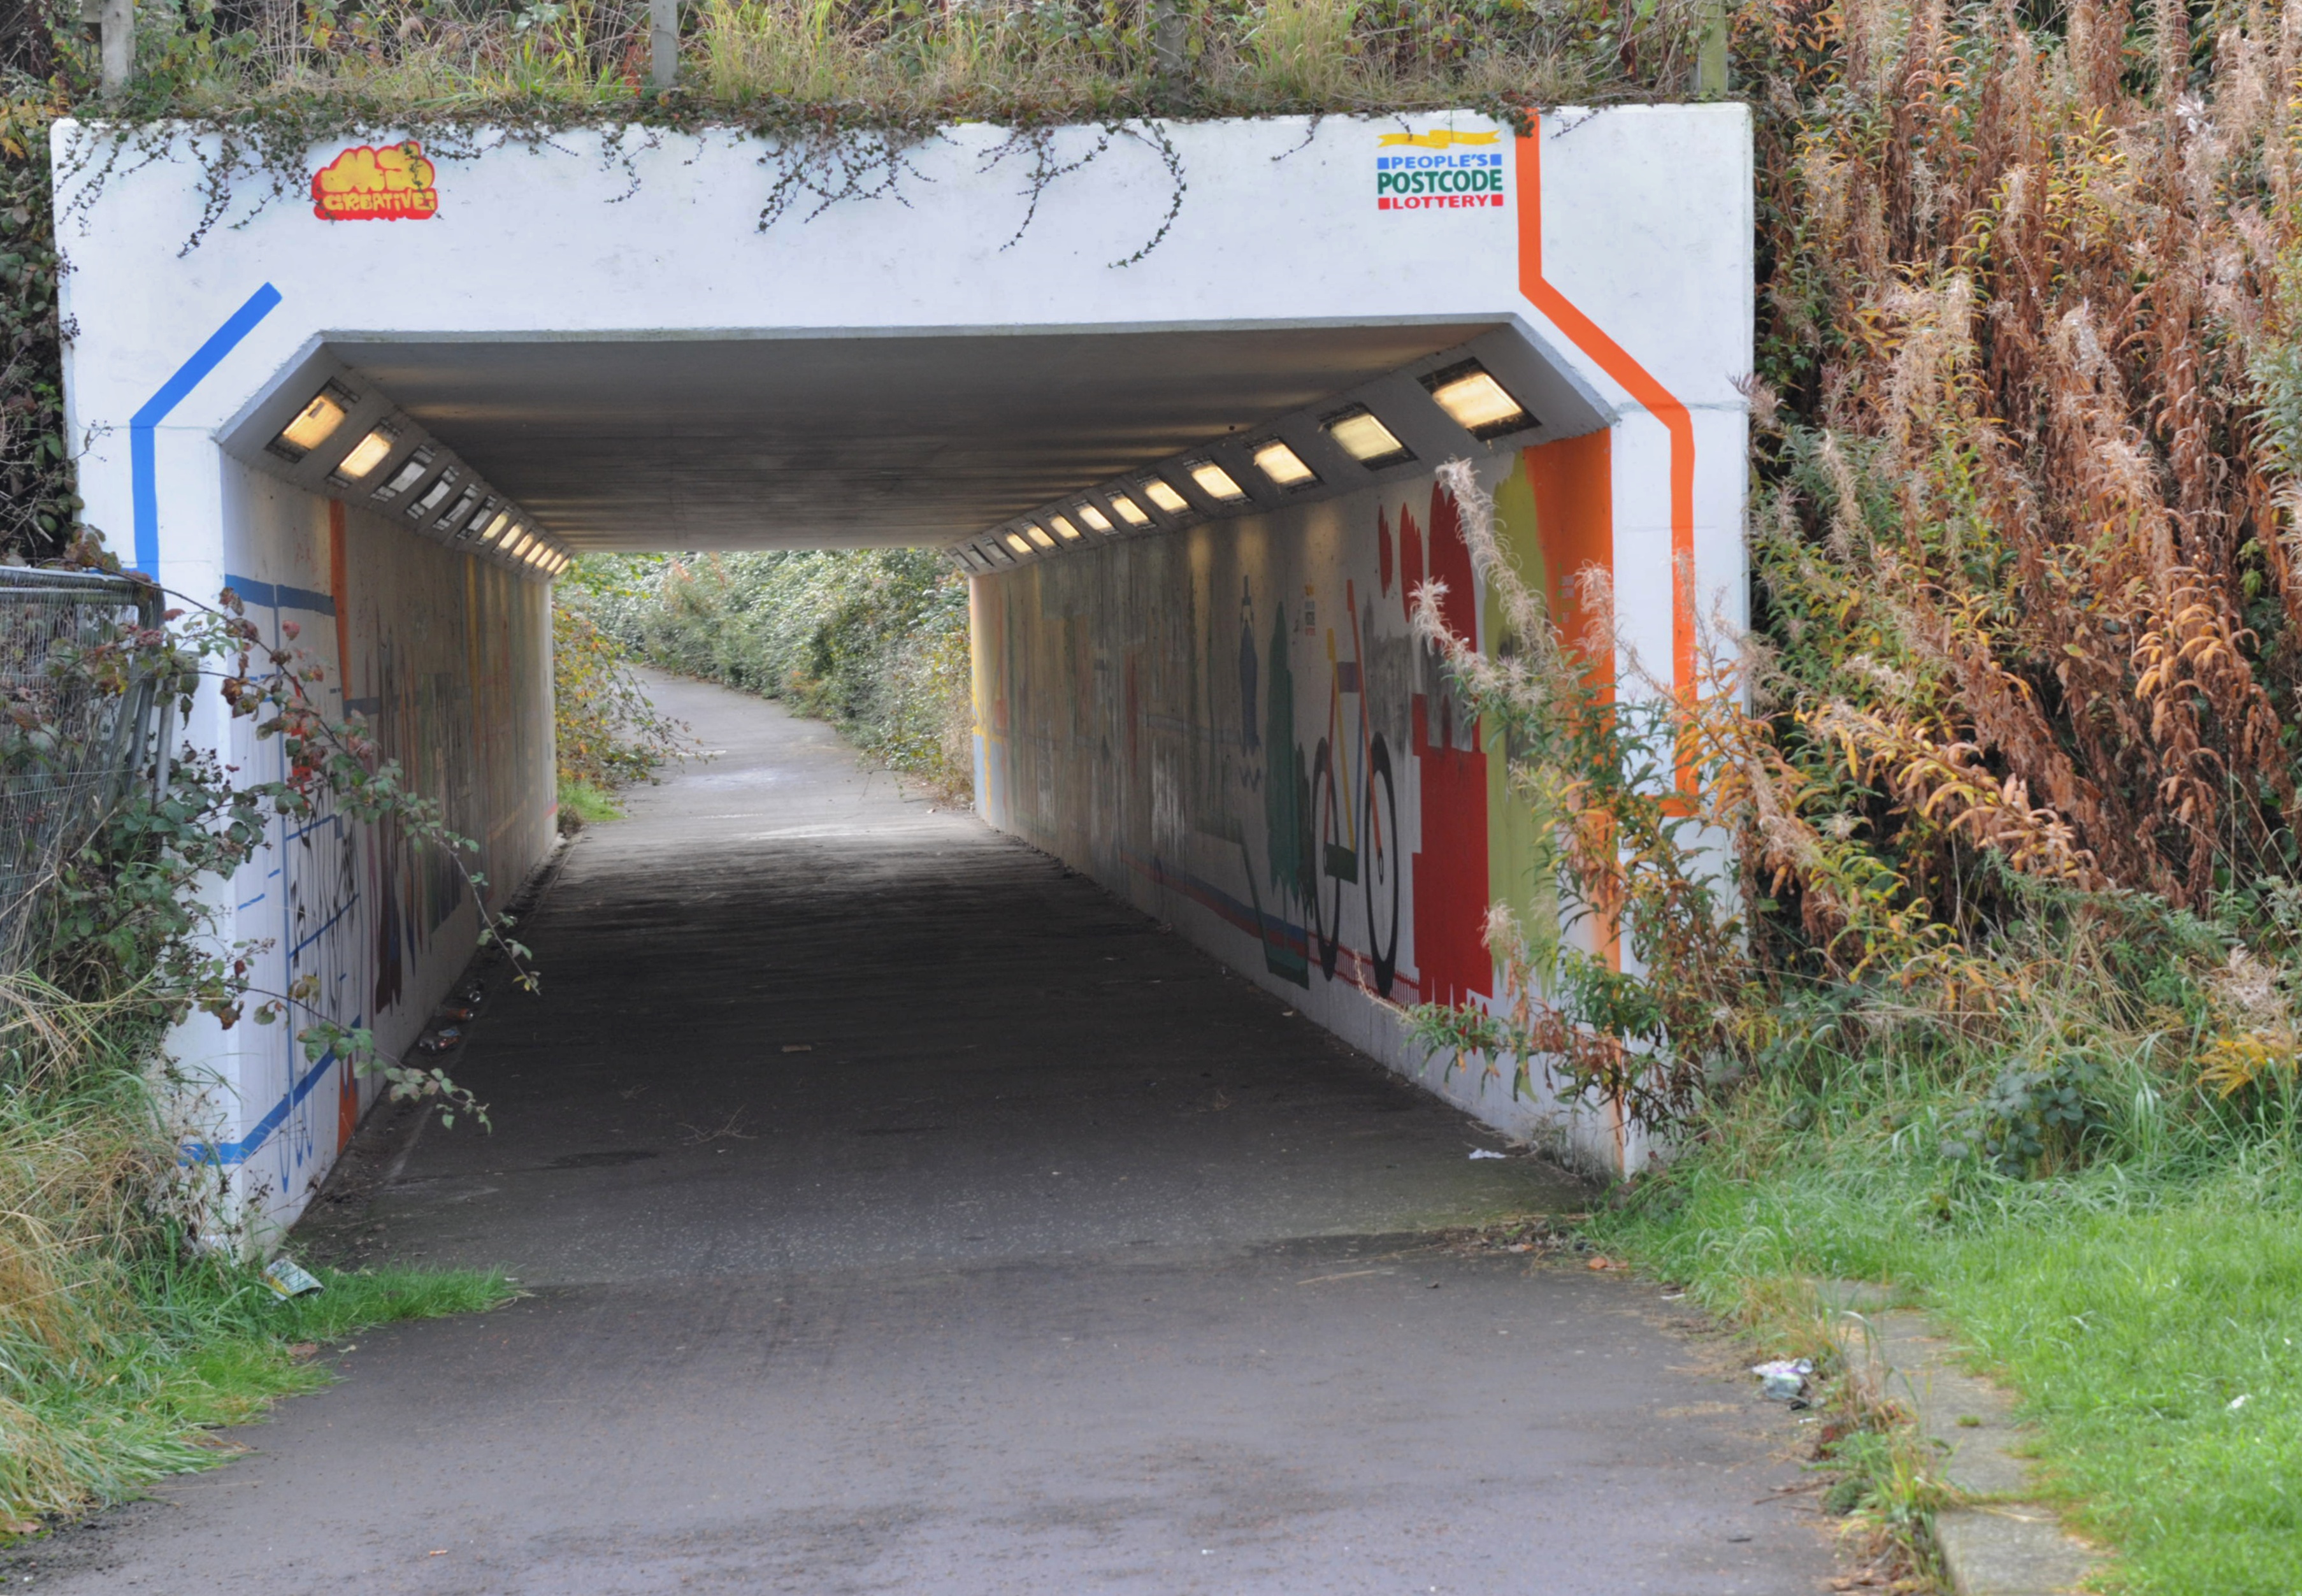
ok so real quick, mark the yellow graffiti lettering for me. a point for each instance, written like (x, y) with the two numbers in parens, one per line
(1442, 138)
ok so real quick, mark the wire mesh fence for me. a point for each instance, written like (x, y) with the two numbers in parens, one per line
(73, 740)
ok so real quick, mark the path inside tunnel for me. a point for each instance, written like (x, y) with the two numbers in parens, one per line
(899, 1212)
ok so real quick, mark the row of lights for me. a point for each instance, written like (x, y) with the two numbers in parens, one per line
(1467, 392)
(457, 506)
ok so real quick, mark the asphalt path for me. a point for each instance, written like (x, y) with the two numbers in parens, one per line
(898, 1211)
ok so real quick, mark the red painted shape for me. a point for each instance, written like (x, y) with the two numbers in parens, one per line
(1450, 868)
(1617, 362)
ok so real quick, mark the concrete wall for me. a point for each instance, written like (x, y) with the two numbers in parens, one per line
(447, 657)
(1169, 714)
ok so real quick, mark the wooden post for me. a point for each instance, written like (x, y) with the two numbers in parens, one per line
(114, 21)
(1167, 38)
(663, 43)
(1710, 72)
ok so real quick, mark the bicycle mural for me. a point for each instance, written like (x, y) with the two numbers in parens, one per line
(1279, 769)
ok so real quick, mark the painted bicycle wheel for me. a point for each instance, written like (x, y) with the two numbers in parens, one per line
(1379, 865)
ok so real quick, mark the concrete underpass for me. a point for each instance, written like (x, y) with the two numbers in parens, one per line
(1044, 1197)
(1082, 1264)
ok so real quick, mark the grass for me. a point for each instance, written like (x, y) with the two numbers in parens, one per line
(912, 67)
(121, 1345)
(2132, 1304)
(590, 803)
(205, 1344)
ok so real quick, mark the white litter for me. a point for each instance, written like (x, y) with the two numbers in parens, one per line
(1484, 1152)
(289, 1278)
(2237, 1403)
(1783, 1380)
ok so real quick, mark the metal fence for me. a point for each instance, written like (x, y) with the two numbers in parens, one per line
(71, 744)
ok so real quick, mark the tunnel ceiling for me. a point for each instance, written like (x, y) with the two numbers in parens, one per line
(855, 441)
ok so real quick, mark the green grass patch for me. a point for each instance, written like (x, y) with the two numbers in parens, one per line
(589, 803)
(122, 1346)
(2146, 1307)
(197, 1344)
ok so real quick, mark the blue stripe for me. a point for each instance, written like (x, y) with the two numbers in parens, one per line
(278, 595)
(353, 902)
(143, 474)
(237, 1152)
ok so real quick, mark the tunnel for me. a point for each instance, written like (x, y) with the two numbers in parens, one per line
(1172, 396)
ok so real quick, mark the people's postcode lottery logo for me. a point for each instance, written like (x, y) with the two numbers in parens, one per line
(1438, 170)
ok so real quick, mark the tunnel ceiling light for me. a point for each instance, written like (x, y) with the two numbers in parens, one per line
(433, 494)
(520, 548)
(480, 517)
(315, 424)
(1164, 495)
(1095, 517)
(1037, 534)
(366, 455)
(1016, 542)
(405, 478)
(1064, 528)
(1282, 465)
(1130, 512)
(1216, 482)
(1481, 406)
(1159, 492)
(1362, 435)
(496, 528)
(459, 509)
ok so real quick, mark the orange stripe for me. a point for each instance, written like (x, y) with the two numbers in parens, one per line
(339, 590)
(1617, 362)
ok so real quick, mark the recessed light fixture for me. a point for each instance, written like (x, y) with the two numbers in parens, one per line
(518, 548)
(496, 528)
(1362, 435)
(1064, 528)
(1481, 406)
(1037, 534)
(1016, 542)
(1282, 465)
(1129, 511)
(433, 494)
(1157, 490)
(366, 455)
(1095, 517)
(482, 517)
(408, 475)
(315, 424)
(1216, 482)
(459, 509)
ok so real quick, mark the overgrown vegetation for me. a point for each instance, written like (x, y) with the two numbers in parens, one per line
(874, 641)
(607, 731)
(2004, 1007)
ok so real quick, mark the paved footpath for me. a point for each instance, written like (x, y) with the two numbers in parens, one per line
(900, 1213)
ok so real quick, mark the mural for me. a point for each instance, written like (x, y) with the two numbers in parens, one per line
(1234, 727)
(447, 658)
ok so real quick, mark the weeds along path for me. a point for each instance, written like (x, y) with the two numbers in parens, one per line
(901, 1212)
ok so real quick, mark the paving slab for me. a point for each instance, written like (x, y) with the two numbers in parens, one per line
(899, 1212)
(1992, 1544)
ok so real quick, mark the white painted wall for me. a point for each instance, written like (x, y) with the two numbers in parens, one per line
(1644, 286)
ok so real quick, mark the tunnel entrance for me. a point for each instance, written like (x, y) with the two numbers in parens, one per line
(1181, 435)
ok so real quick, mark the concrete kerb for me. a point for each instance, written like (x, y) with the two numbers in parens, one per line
(1992, 1541)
